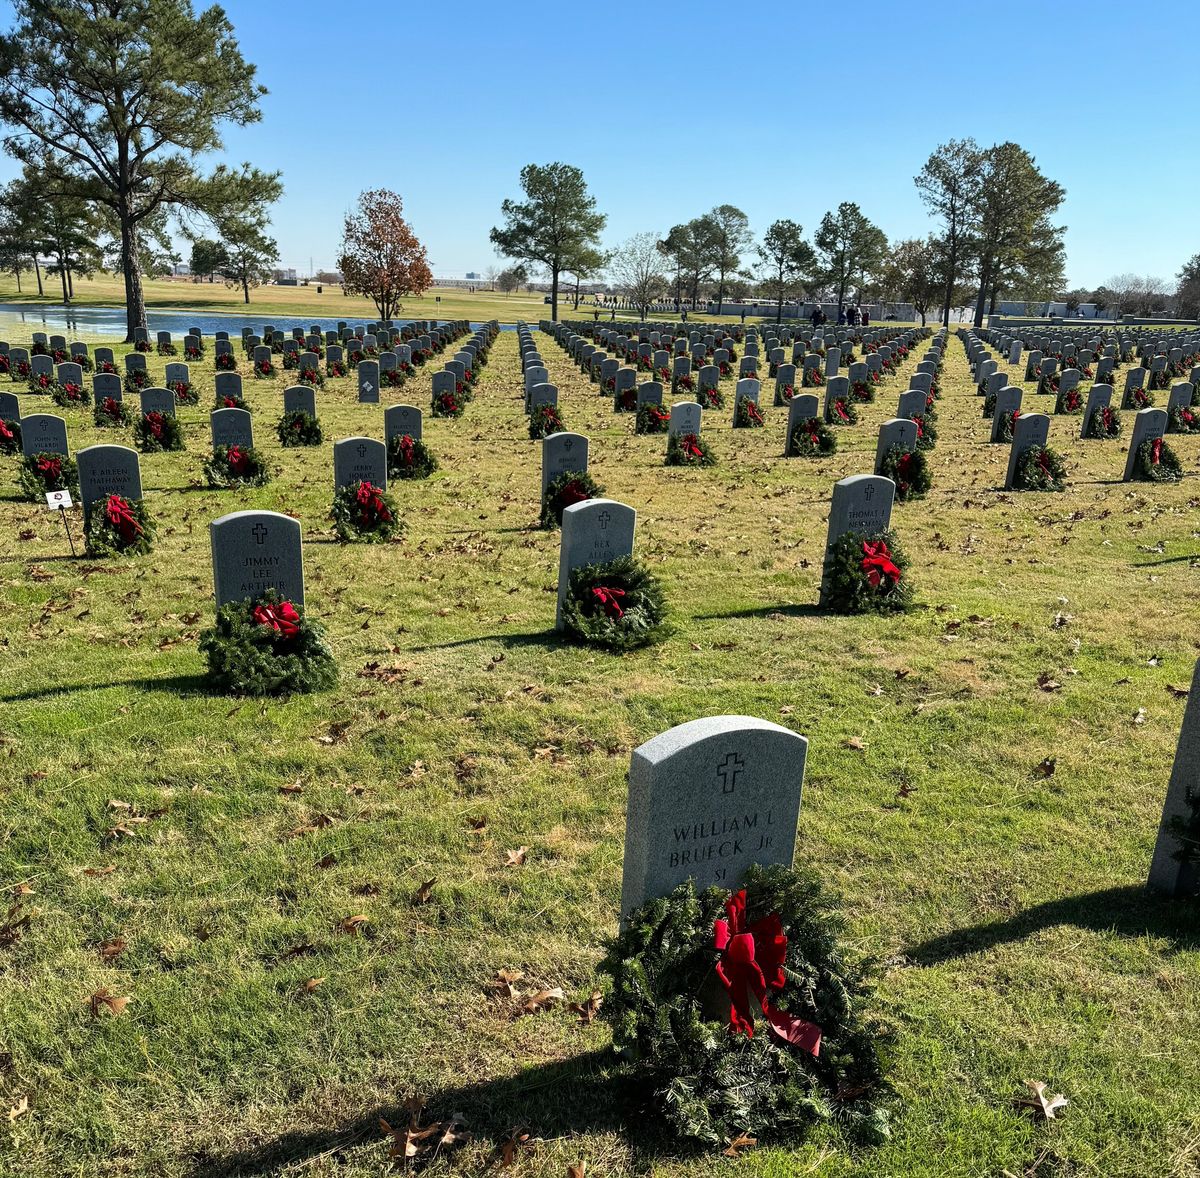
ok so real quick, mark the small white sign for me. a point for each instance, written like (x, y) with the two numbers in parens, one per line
(58, 500)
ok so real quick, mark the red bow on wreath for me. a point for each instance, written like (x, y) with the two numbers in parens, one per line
(1043, 461)
(691, 446)
(877, 564)
(407, 451)
(1156, 451)
(155, 421)
(370, 503)
(238, 459)
(50, 469)
(118, 513)
(282, 618)
(752, 411)
(610, 601)
(5, 432)
(841, 410)
(752, 958)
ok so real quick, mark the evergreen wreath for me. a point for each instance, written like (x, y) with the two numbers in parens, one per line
(44, 472)
(166, 349)
(1156, 462)
(812, 438)
(70, 395)
(784, 394)
(136, 380)
(447, 404)
(544, 421)
(109, 412)
(926, 431)
(619, 605)
(909, 470)
(867, 573)
(335, 368)
(231, 401)
(119, 527)
(1183, 420)
(1104, 423)
(392, 378)
(1040, 469)
(798, 1054)
(989, 405)
(1070, 402)
(812, 378)
(748, 415)
(689, 450)
(841, 411)
(569, 488)
(652, 419)
(236, 466)
(157, 431)
(299, 428)
(711, 398)
(185, 394)
(42, 383)
(19, 370)
(863, 391)
(1049, 384)
(225, 362)
(263, 370)
(1008, 423)
(1137, 399)
(409, 458)
(10, 437)
(625, 401)
(83, 360)
(267, 647)
(362, 511)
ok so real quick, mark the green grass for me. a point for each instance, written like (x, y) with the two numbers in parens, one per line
(1007, 911)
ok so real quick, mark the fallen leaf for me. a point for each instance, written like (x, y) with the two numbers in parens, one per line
(516, 858)
(311, 985)
(1178, 692)
(588, 1010)
(352, 924)
(100, 870)
(576, 1170)
(102, 998)
(1046, 683)
(1045, 1106)
(19, 1109)
(854, 742)
(541, 999)
(508, 1151)
(424, 893)
(294, 788)
(112, 949)
(1046, 768)
(733, 1150)
(1139, 717)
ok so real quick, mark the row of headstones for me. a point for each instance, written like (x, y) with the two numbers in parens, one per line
(1121, 345)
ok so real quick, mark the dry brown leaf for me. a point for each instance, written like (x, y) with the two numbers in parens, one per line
(424, 893)
(310, 985)
(1047, 683)
(516, 858)
(576, 1170)
(1046, 768)
(733, 1150)
(22, 889)
(19, 1109)
(509, 1150)
(295, 788)
(353, 924)
(854, 742)
(541, 999)
(100, 870)
(588, 1010)
(1178, 692)
(102, 998)
(112, 949)
(1043, 1105)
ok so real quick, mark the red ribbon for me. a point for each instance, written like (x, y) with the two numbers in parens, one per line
(1156, 451)
(282, 618)
(877, 564)
(840, 409)
(610, 601)
(111, 407)
(5, 432)
(155, 421)
(238, 459)
(408, 451)
(50, 469)
(119, 513)
(371, 507)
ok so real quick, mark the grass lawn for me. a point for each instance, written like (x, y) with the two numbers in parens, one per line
(266, 1032)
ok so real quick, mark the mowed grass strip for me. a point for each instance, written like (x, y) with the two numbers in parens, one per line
(1004, 906)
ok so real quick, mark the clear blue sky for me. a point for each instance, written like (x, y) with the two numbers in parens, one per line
(670, 108)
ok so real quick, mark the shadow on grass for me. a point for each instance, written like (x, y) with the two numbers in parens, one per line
(1132, 911)
(1152, 564)
(765, 611)
(580, 1095)
(181, 685)
(546, 639)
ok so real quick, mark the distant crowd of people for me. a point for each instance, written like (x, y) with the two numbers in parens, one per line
(851, 316)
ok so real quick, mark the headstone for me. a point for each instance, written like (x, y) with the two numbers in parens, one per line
(300, 398)
(157, 401)
(861, 503)
(563, 452)
(542, 394)
(707, 800)
(368, 382)
(178, 372)
(231, 427)
(357, 460)
(104, 471)
(1030, 429)
(399, 420)
(1008, 400)
(70, 373)
(1148, 424)
(685, 419)
(253, 551)
(1099, 397)
(228, 384)
(896, 431)
(802, 407)
(593, 532)
(10, 406)
(1167, 873)
(106, 384)
(43, 433)
(911, 402)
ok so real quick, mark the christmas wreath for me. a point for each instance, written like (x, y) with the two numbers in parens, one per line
(1040, 469)
(6, 364)
(299, 429)
(625, 401)
(1104, 423)
(813, 378)
(544, 421)
(569, 488)
(686, 382)
(1183, 420)
(748, 415)
(1049, 384)
(794, 1050)
(1156, 462)
(1137, 399)
(136, 380)
(267, 647)
(784, 394)
(1069, 402)
(236, 466)
(157, 431)
(989, 405)
(841, 411)
(44, 472)
(291, 360)
(193, 351)
(867, 573)
(226, 362)
(20, 370)
(42, 382)
(447, 404)
(142, 345)
(711, 398)
(231, 401)
(264, 369)
(10, 437)
(119, 527)
(392, 378)
(909, 470)
(812, 438)
(926, 430)
(862, 390)
(409, 458)
(619, 605)
(110, 412)
(166, 349)
(335, 368)
(1008, 423)
(689, 450)
(362, 511)
(652, 419)
(725, 368)
(184, 393)
(70, 395)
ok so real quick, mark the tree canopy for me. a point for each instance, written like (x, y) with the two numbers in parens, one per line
(380, 256)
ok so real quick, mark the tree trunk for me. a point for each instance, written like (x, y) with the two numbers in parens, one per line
(246, 287)
(17, 272)
(985, 280)
(951, 271)
(135, 300)
(71, 281)
(720, 294)
(62, 274)
(38, 271)
(554, 294)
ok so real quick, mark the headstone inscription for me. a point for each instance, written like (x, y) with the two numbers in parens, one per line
(253, 551)
(593, 532)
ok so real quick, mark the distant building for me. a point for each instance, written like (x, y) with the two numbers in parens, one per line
(472, 276)
(182, 269)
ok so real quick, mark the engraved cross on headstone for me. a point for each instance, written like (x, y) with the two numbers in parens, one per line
(259, 533)
(362, 450)
(729, 770)
(603, 519)
(869, 493)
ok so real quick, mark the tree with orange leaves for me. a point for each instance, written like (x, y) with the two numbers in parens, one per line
(380, 255)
